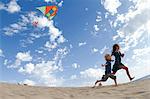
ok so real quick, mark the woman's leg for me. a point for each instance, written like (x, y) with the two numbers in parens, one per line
(127, 71)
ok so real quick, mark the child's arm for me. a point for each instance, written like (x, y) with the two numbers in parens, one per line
(112, 60)
(103, 65)
(112, 53)
(122, 55)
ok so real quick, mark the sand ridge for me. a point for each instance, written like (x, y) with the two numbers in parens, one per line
(132, 90)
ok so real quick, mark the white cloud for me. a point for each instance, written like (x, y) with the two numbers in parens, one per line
(45, 71)
(11, 31)
(39, 51)
(54, 32)
(141, 52)
(49, 46)
(49, 0)
(82, 44)
(57, 2)
(11, 7)
(28, 68)
(60, 54)
(71, 46)
(91, 73)
(96, 28)
(24, 56)
(98, 18)
(45, 68)
(111, 6)
(86, 9)
(104, 50)
(55, 35)
(1, 53)
(60, 4)
(16, 27)
(28, 82)
(2, 6)
(5, 62)
(61, 39)
(21, 57)
(135, 25)
(73, 77)
(75, 65)
(95, 50)
(89, 76)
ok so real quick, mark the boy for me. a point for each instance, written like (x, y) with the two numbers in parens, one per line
(108, 73)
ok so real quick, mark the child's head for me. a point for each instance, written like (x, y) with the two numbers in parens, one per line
(116, 47)
(108, 57)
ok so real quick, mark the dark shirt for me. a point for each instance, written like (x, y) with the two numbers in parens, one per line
(108, 68)
(117, 57)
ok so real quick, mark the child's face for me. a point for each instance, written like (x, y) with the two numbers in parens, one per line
(108, 58)
(117, 48)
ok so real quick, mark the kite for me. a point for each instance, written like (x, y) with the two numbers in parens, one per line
(49, 11)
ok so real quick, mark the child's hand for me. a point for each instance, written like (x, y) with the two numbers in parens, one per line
(103, 65)
(122, 55)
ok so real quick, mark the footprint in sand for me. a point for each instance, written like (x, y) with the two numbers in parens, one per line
(72, 96)
(127, 97)
(105, 92)
(139, 92)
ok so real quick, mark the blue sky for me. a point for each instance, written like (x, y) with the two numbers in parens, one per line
(69, 49)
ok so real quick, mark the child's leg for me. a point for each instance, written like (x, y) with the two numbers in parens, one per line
(115, 82)
(113, 72)
(127, 71)
(114, 78)
(103, 79)
(97, 82)
(115, 69)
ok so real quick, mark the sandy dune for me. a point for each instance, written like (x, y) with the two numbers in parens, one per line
(133, 90)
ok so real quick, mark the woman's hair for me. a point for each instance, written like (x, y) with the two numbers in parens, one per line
(115, 47)
(107, 57)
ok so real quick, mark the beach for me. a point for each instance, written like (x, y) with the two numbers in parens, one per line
(132, 90)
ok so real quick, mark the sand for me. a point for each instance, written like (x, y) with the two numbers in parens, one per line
(132, 90)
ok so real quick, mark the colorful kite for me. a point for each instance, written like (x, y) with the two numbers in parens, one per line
(48, 11)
